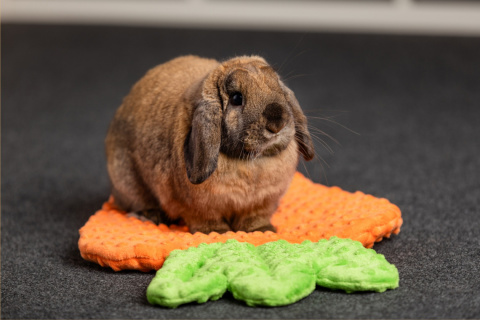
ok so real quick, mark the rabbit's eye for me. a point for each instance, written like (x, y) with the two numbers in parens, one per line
(236, 99)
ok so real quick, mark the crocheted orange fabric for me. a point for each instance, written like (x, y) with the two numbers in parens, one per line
(308, 211)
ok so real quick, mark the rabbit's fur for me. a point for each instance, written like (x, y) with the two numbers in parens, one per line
(182, 143)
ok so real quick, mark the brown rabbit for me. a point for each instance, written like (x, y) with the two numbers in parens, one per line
(214, 144)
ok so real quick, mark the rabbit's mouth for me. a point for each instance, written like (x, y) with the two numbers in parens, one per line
(268, 145)
(256, 141)
(250, 150)
(276, 144)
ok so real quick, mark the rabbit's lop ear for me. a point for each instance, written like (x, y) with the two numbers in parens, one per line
(202, 144)
(302, 135)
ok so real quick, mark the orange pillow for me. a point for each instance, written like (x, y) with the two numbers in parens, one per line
(308, 211)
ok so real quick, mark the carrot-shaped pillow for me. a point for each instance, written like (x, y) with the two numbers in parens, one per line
(308, 211)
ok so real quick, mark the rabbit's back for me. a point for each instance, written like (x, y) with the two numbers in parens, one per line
(145, 139)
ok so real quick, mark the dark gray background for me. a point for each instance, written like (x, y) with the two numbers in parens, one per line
(414, 103)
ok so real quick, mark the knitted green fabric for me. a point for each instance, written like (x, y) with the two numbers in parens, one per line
(273, 274)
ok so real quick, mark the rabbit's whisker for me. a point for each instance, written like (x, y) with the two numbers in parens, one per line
(322, 142)
(329, 119)
(290, 54)
(320, 159)
(296, 76)
(323, 133)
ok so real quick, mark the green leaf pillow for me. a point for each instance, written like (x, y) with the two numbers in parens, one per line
(273, 274)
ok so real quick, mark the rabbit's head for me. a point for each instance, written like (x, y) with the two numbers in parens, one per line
(244, 111)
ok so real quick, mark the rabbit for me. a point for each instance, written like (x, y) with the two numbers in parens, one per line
(212, 144)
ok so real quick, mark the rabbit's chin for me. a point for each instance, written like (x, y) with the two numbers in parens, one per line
(270, 148)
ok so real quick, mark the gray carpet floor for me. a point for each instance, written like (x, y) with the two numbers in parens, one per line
(404, 110)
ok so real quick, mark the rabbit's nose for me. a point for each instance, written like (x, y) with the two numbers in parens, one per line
(275, 127)
(276, 117)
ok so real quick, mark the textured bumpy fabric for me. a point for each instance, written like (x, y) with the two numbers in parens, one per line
(273, 274)
(308, 211)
